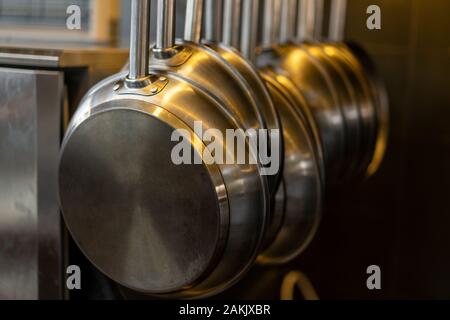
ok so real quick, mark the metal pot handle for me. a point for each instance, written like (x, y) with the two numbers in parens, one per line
(194, 20)
(165, 26)
(338, 15)
(213, 20)
(288, 20)
(249, 39)
(271, 23)
(139, 40)
(231, 23)
(310, 20)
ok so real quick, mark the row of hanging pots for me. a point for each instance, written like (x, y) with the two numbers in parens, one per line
(164, 230)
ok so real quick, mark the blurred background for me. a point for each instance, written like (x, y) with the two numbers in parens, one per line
(399, 219)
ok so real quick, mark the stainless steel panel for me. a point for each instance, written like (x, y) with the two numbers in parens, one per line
(30, 229)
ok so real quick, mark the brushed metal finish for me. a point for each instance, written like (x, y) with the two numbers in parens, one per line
(116, 122)
(240, 189)
(188, 221)
(30, 228)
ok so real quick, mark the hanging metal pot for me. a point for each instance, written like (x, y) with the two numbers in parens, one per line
(368, 83)
(152, 225)
(301, 193)
(307, 77)
(308, 31)
(222, 35)
(216, 13)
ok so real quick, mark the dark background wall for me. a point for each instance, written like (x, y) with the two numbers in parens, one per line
(400, 219)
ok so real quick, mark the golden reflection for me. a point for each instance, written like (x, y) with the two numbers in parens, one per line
(330, 50)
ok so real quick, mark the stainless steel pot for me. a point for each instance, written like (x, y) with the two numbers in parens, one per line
(151, 225)
(300, 196)
(224, 40)
(375, 94)
(220, 77)
(308, 28)
(311, 79)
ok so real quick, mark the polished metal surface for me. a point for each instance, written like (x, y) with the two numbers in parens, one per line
(165, 26)
(314, 75)
(298, 203)
(337, 20)
(140, 39)
(30, 228)
(144, 217)
(213, 20)
(302, 189)
(288, 27)
(313, 82)
(211, 72)
(378, 139)
(239, 187)
(249, 39)
(207, 69)
(271, 24)
(366, 105)
(144, 241)
(308, 24)
(347, 99)
(67, 57)
(374, 109)
(193, 23)
(254, 85)
(231, 23)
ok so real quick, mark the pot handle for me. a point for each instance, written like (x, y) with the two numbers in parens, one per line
(194, 20)
(288, 23)
(139, 39)
(231, 23)
(310, 20)
(165, 26)
(249, 39)
(338, 15)
(271, 23)
(213, 20)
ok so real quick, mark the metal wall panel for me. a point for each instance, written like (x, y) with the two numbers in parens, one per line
(30, 229)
